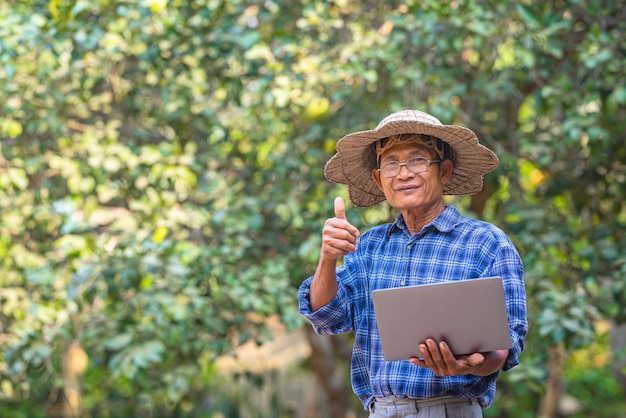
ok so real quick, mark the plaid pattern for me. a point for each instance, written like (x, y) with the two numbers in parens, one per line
(452, 247)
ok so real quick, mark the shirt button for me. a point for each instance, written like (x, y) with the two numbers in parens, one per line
(387, 393)
(403, 282)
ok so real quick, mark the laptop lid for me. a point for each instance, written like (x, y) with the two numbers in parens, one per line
(469, 315)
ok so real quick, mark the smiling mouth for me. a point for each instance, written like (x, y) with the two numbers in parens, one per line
(408, 188)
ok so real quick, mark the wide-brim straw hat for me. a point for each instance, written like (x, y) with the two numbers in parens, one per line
(356, 156)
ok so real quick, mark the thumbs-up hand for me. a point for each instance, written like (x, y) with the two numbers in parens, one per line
(339, 237)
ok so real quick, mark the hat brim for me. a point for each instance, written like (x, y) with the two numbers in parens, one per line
(355, 159)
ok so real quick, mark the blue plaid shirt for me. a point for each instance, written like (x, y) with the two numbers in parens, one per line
(452, 247)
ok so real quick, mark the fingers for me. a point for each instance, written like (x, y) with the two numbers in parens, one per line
(439, 358)
(434, 358)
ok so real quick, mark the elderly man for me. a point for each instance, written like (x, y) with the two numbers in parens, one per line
(411, 160)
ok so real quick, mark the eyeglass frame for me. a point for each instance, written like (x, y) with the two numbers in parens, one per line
(406, 163)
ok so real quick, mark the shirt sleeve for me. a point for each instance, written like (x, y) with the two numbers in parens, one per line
(508, 265)
(335, 317)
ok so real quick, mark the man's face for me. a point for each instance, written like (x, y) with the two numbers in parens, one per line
(408, 190)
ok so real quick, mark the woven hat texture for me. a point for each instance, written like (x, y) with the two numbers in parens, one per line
(356, 156)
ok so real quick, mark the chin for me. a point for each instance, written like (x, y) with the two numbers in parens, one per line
(403, 205)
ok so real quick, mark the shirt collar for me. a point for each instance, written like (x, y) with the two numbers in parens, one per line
(445, 222)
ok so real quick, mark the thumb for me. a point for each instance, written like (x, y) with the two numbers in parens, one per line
(475, 359)
(340, 208)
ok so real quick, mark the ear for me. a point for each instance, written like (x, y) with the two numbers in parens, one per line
(445, 170)
(376, 175)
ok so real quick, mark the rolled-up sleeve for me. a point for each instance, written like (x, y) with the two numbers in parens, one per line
(331, 319)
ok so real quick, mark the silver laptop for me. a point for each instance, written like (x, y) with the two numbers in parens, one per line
(469, 315)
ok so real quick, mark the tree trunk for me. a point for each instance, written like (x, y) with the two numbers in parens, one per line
(331, 379)
(74, 367)
(618, 348)
(479, 200)
(554, 384)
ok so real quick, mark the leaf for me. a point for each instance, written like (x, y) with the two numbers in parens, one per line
(10, 127)
(160, 233)
(78, 279)
(571, 325)
(42, 276)
(148, 352)
(118, 342)
(528, 15)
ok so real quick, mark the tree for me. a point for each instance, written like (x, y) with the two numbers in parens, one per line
(127, 238)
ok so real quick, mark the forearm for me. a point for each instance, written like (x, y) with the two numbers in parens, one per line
(324, 286)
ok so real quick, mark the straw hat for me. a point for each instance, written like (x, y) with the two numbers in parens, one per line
(356, 156)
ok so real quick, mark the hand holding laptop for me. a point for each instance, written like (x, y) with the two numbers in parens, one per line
(439, 358)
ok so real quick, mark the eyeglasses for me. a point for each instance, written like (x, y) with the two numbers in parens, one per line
(415, 165)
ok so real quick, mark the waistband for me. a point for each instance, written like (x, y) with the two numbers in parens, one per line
(422, 403)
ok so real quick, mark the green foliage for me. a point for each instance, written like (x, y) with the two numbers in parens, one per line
(123, 224)
(588, 371)
(161, 172)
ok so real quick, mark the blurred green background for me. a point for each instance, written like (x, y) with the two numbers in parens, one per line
(162, 193)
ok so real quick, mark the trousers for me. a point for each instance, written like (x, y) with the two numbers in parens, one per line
(440, 407)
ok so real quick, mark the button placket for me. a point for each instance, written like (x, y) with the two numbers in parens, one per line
(408, 248)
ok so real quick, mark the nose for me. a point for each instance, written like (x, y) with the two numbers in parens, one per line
(405, 172)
